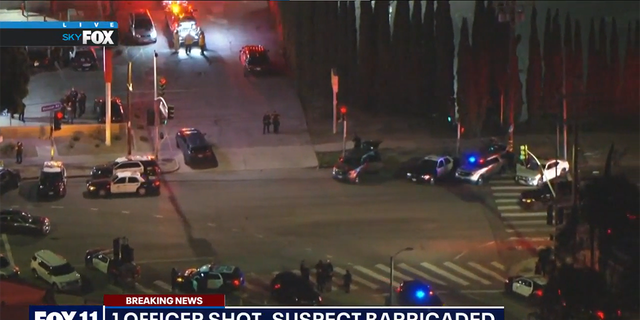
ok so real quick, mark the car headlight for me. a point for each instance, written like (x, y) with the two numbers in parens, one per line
(91, 188)
(41, 187)
(426, 177)
(37, 63)
(154, 34)
(408, 174)
(353, 173)
(179, 280)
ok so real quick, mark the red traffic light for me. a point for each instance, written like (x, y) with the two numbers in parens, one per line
(343, 110)
(163, 81)
(59, 115)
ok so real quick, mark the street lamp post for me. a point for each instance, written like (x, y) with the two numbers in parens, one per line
(156, 109)
(391, 267)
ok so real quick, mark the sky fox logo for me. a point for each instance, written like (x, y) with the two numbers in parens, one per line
(91, 37)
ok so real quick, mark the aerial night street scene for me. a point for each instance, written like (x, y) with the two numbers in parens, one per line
(485, 152)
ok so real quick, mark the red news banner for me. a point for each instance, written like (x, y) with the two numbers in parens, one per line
(132, 301)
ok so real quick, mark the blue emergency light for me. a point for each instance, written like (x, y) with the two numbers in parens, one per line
(449, 118)
(420, 294)
(472, 159)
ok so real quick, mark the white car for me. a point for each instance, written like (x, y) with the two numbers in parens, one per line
(123, 183)
(531, 286)
(55, 270)
(217, 277)
(430, 168)
(103, 261)
(530, 175)
(8, 269)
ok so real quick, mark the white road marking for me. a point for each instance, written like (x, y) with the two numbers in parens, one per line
(487, 244)
(506, 201)
(57, 207)
(395, 272)
(158, 216)
(444, 273)
(497, 265)
(528, 230)
(211, 224)
(461, 270)
(94, 209)
(162, 285)
(460, 255)
(145, 290)
(127, 212)
(486, 271)
(259, 236)
(512, 188)
(420, 274)
(374, 275)
(7, 248)
(524, 214)
(253, 287)
(506, 194)
(512, 207)
(312, 280)
(481, 291)
(357, 279)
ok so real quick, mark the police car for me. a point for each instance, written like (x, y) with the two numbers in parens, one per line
(145, 165)
(531, 286)
(104, 261)
(416, 293)
(430, 168)
(255, 59)
(123, 183)
(212, 278)
(53, 180)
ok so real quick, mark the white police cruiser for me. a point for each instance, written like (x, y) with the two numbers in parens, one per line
(53, 180)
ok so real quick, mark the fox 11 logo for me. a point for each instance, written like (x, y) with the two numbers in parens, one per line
(65, 315)
(103, 38)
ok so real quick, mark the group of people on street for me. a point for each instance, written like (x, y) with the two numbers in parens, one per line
(324, 276)
(21, 110)
(270, 119)
(74, 103)
(189, 41)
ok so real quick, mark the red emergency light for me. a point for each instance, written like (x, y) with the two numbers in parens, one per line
(59, 115)
(343, 110)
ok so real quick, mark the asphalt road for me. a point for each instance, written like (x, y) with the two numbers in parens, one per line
(269, 225)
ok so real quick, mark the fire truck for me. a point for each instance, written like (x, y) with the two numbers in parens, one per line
(181, 17)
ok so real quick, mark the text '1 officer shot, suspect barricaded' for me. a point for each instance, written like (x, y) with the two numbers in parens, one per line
(59, 33)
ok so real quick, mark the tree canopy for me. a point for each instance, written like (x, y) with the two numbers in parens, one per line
(14, 79)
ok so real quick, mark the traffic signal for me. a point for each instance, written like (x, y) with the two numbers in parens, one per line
(343, 113)
(560, 217)
(550, 215)
(57, 120)
(171, 109)
(151, 117)
(162, 85)
(523, 152)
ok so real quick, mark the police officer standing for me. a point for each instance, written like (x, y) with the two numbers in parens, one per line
(304, 271)
(357, 142)
(82, 104)
(266, 123)
(174, 279)
(176, 41)
(275, 120)
(320, 279)
(188, 42)
(346, 281)
(328, 269)
(19, 149)
(201, 43)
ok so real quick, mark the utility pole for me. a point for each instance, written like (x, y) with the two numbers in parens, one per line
(334, 85)
(108, 75)
(129, 113)
(156, 108)
(344, 135)
(564, 101)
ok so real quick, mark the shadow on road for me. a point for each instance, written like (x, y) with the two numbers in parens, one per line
(200, 247)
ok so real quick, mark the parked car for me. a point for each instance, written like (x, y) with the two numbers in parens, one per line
(430, 169)
(358, 162)
(478, 170)
(117, 111)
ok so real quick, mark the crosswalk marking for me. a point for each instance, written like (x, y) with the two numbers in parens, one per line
(486, 271)
(497, 265)
(512, 188)
(465, 272)
(506, 194)
(375, 275)
(524, 214)
(312, 280)
(444, 273)
(356, 279)
(420, 273)
(395, 273)
(140, 287)
(511, 207)
(162, 285)
(506, 200)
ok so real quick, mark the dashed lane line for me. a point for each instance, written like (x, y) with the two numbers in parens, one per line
(7, 247)
(211, 224)
(94, 209)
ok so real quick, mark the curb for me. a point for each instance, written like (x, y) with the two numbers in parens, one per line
(176, 168)
(518, 267)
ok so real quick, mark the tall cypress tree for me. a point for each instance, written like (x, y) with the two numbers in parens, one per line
(614, 69)
(465, 80)
(547, 82)
(352, 52)
(401, 46)
(366, 56)
(417, 65)
(14, 79)
(556, 64)
(383, 48)
(514, 99)
(627, 73)
(445, 51)
(578, 67)
(603, 68)
(480, 51)
(534, 71)
(593, 79)
(429, 58)
(567, 59)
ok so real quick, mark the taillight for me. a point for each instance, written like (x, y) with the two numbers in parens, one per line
(398, 290)
(538, 293)
(277, 286)
(619, 313)
(430, 293)
(236, 282)
(156, 183)
(600, 314)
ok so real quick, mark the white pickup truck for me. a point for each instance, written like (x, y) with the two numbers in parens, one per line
(532, 175)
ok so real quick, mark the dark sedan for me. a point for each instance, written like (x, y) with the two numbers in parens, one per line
(85, 60)
(288, 288)
(542, 197)
(117, 111)
(51, 184)
(9, 180)
(20, 222)
(417, 293)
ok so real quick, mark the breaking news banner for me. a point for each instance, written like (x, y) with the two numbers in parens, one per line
(211, 307)
(58, 33)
